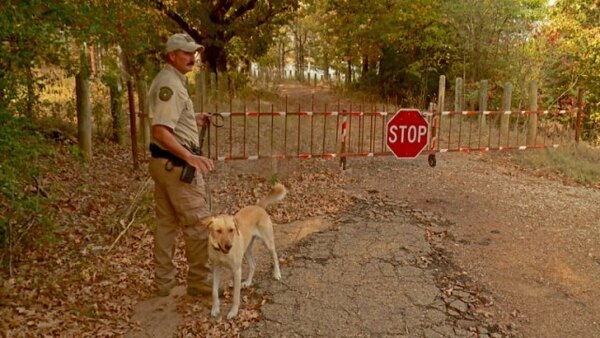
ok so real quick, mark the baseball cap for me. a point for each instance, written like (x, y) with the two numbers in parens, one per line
(184, 42)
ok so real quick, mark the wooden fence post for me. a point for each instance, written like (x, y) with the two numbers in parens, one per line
(483, 103)
(533, 117)
(440, 109)
(506, 107)
(458, 95)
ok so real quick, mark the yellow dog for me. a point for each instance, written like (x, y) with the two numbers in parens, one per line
(230, 240)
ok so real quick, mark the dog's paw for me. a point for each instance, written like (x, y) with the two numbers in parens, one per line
(246, 284)
(232, 313)
(277, 275)
(215, 310)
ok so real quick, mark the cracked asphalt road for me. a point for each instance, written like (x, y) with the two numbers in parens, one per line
(369, 275)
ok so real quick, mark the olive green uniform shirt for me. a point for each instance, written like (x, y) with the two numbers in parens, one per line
(170, 105)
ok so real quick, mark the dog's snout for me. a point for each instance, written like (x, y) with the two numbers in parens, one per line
(226, 248)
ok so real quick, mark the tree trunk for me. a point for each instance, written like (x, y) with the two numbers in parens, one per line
(142, 89)
(132, 123)
(281, 61)
(299, 46)
(349, 72)
(84, 111)
(217, 60)
(115, 111)
(326, 66)
(365, 65)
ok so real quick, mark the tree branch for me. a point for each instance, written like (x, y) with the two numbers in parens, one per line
(217, 14)
(179, 20)
(267, 17)
(240, 12)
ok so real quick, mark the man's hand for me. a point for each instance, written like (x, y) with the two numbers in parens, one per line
(165, 136)
(201, 163)
(202, 118)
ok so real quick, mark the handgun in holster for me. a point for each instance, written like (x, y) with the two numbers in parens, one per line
(188, 173)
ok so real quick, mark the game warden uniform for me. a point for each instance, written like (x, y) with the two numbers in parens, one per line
(177, 203)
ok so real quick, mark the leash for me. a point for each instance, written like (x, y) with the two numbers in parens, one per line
(203, 133)
(207, 189)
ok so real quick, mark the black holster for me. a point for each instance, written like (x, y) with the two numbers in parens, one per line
(158, 152)
(188, 172)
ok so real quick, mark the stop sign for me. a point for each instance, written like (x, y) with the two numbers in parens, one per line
(407, 133)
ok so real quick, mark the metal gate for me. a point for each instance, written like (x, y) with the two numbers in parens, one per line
(252, 135)
(348, 132)
(356, 131)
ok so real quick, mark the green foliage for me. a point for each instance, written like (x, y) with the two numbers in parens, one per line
(36, 35)
(29, 35)
(275, 178)
(16, 153)
(568, 50)
(400, 48)
(591, 128)
(394, 48)
(492, 36)
(76, 153)
(20, 149)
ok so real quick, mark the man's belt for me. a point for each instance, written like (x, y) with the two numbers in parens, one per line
(158, 152)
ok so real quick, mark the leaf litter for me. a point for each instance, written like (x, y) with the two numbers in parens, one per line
(68, 283)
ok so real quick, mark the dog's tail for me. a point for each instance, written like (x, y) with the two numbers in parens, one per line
(276, 194)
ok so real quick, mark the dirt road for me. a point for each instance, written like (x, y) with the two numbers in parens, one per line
(530, 242)
(471, 247)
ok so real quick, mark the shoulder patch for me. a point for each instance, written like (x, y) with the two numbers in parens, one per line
(165, 93)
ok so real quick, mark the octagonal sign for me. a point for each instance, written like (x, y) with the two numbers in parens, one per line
(407, 133)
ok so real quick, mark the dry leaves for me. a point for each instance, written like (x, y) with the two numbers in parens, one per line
(69, 284)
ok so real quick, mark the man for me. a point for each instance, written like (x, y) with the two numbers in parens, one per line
(179, 202)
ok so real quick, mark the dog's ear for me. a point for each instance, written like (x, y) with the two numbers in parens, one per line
(207, 222)
(237, 225)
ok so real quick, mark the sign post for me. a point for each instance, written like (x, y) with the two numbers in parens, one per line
(407, 133)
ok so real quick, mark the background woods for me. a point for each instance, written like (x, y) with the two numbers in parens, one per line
(67, 66)
(386, 48)
(73, 80)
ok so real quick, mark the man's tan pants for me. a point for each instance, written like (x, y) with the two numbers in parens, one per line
(179, 204)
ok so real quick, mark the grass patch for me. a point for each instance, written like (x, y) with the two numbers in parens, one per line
(578, 162)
